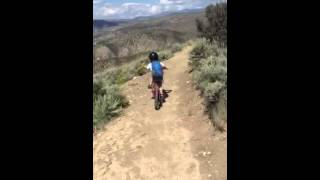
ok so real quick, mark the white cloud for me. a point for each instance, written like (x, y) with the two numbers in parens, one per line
(155, 9)
(97, 1)
(135, 4)
(107, 11)
(171, 1)
(179, 8)
(104, 10)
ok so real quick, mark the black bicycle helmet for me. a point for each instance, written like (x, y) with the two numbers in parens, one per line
(153, 56)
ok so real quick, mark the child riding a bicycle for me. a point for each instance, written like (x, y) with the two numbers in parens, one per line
(156, 67)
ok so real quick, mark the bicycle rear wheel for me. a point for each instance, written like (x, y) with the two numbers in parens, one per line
(157, 99)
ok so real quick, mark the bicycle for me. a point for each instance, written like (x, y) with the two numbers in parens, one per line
(158, 99)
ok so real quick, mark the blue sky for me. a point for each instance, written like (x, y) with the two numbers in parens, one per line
(126, 9)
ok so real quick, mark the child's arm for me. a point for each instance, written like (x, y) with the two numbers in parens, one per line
(163, 66)
(148, 67)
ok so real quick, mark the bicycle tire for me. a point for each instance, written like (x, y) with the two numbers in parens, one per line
(157, 99)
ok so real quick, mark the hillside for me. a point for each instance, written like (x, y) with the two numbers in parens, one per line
(132, 37)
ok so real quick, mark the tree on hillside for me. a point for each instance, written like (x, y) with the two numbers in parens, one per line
(216, 26)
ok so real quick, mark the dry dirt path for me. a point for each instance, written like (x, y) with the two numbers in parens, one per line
(176, 142)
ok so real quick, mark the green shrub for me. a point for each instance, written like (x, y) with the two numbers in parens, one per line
(202, 50)
(212, 69)
(215, 27)
(218, 111)
(107, 104)
(97, 89)
(109, 77)
(176, 47)
(122, 76)
(165, 55)
(209, 63)
(141, 69)
(212, 90)
(104, 109)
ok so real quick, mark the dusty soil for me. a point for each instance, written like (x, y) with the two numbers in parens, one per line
(176, 142)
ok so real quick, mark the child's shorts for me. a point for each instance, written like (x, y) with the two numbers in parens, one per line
(157, 80)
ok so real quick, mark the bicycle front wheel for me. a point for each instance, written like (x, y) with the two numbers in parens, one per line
(157, 100)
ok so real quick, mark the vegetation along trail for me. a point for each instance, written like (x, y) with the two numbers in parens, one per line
(176, 142)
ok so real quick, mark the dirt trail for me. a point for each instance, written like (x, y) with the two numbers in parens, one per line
(175, 143)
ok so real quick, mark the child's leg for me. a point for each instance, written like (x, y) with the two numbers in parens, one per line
(151, 86)
(153, 93)
(151, 79)
(160, 88)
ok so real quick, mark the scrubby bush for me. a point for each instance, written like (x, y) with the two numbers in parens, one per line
(202, 50)
(212, 90)
(122, 76)
(210, 76)
(165, 55)
(107, 103)
(98, 89)
(141, 69)
(213, 69)
(176, 47)
(216, 26)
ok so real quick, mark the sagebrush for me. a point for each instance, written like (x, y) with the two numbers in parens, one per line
(107, 102)
(209, 64)
(215, 27)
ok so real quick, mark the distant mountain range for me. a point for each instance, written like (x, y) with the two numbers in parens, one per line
(185, 11)
(101, 23)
